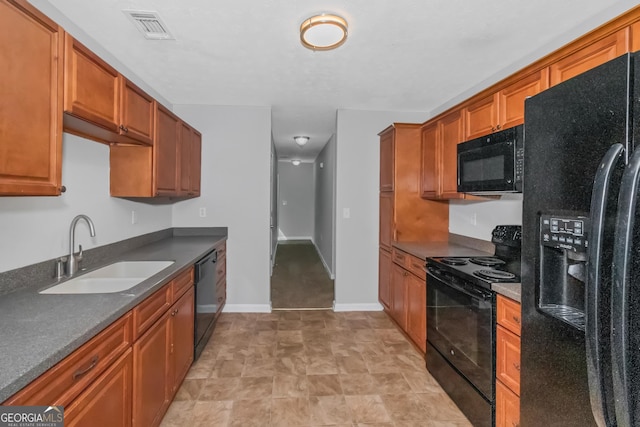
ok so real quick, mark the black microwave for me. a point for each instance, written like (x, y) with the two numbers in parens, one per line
(492, 164)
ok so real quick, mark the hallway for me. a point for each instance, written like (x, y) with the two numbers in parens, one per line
(299, 279)
(310, 368)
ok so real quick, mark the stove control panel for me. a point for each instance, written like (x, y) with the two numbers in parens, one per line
(564, 232)
(509, 235)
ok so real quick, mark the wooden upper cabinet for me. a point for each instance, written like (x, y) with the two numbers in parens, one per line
(190, 160)
(387, 159)
(451, 135)
(195, 167)
(102, 104)
(165, 152)
(92, 90)
(511, 99)
(589, 57)
(137, 113)
(429, 184)
(31, 102)
(481, 118)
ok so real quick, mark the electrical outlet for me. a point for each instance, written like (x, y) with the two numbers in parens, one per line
(203, 212)
(134, 217)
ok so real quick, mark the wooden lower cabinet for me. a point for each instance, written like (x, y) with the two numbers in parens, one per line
(107, 402)
(151, 367)
(398, 296)
(417, 310)
(507, 407)
(384, 278)
(182, 338)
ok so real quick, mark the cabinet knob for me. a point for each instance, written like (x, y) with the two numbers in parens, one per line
(124, 128)
(63, 189)
(516, 319)
(498, 127)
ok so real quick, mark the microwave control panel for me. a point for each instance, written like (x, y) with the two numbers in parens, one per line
(564, 232)
(519, 165)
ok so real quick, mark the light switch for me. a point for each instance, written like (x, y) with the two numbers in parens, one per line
(203, 212)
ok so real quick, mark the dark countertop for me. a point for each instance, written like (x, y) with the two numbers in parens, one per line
(37, 331)
(424, 250)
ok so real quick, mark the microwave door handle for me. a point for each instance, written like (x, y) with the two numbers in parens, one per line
(597, 324)
(623, 351)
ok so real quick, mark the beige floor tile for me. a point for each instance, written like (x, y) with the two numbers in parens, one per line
(290, 411)
(367, 409)
(289, 336)
(318, 348)
(321, 365)
(179, 414)
(358, 384)
(237, 388)
(290, 325)
(313, 325)
(422, 382)
(206, 414)
(284, 349)
(392, 383)
(228, 368)
(291, 365)
(365, 335)
(329, 410)
(250, 413)
(257, 367)
(351, 364)
(440, 407)
(324, 385)
(290, 386)
(405, 407)
(317, 315)
(190, 389)
(266, 325)
(383, 364)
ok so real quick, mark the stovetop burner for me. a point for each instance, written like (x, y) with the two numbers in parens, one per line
(498, 275)
(487, 261)
(454, 261)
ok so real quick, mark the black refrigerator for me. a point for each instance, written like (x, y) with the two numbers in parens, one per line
(581, 251)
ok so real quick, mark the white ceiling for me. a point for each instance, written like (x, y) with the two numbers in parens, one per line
(404, 55)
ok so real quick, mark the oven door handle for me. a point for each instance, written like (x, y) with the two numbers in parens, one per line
(473, 293)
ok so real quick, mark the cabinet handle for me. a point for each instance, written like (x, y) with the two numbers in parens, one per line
(498, 127)
(80, 372)
(124, 128)
(63, 189)
(517, 366)
(516, 319)
(174, 312)
(404, 273)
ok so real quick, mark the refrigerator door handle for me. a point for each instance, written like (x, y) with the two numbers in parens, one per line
(624, 351)
(597, 334)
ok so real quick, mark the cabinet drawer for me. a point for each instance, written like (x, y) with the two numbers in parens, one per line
(508, 314)
(507, 407)
(508, 359)
(181, 283)
(416, 266)
(399, 257)
(66, 380)
(150, 310)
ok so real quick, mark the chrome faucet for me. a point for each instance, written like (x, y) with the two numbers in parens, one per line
(74, 259)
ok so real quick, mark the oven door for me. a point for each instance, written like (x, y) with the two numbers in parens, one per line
(460, 326)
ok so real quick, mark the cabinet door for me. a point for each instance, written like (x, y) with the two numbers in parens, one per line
(589, 57)
(137, 113)
(429, 156)
(151, 370)
(182, 333)
(417, 311)
(511, 99)
(107, 401)
(481, 118)
(195, 168)
(398, 295)
(508, 358)
(507, 407)
(386, 220)
(31, 102)
(91, 87)
(635, 37)
(384, 278)
(165, 150)
(451, 136)
(185, 158)
(387, 160)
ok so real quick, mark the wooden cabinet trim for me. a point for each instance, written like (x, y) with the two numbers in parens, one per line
(67, 379)
(181, 284)
(151, 309)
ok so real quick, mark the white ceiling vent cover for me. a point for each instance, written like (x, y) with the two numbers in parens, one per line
(149, 24)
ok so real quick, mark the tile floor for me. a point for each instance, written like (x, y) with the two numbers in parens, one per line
(310, 368)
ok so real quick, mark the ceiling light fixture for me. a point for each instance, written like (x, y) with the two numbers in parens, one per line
(295, 162)
(323, 32)
(301, 140)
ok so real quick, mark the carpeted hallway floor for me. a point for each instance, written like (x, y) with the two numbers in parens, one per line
(299, 279)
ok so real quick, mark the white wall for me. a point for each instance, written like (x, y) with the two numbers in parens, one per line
(477, 219)
(36, 229)
(295, 201)
(273, 176)
(235, 191)
(325, 190)
(357, 181)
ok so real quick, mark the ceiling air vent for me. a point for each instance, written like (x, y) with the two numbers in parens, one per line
(149, 24)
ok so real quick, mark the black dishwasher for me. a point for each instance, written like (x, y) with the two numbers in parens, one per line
(206, 302)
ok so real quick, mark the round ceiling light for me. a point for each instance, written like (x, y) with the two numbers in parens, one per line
(323, 32)
(295, 162)
(301, 140)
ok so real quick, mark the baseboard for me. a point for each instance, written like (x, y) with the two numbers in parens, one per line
(326, 267)
(247, 308)
(357, 307)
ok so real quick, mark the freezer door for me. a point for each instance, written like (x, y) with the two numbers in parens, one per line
(625, 301)
(598, 284)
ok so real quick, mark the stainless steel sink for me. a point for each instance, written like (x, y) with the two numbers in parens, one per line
(116, 277)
